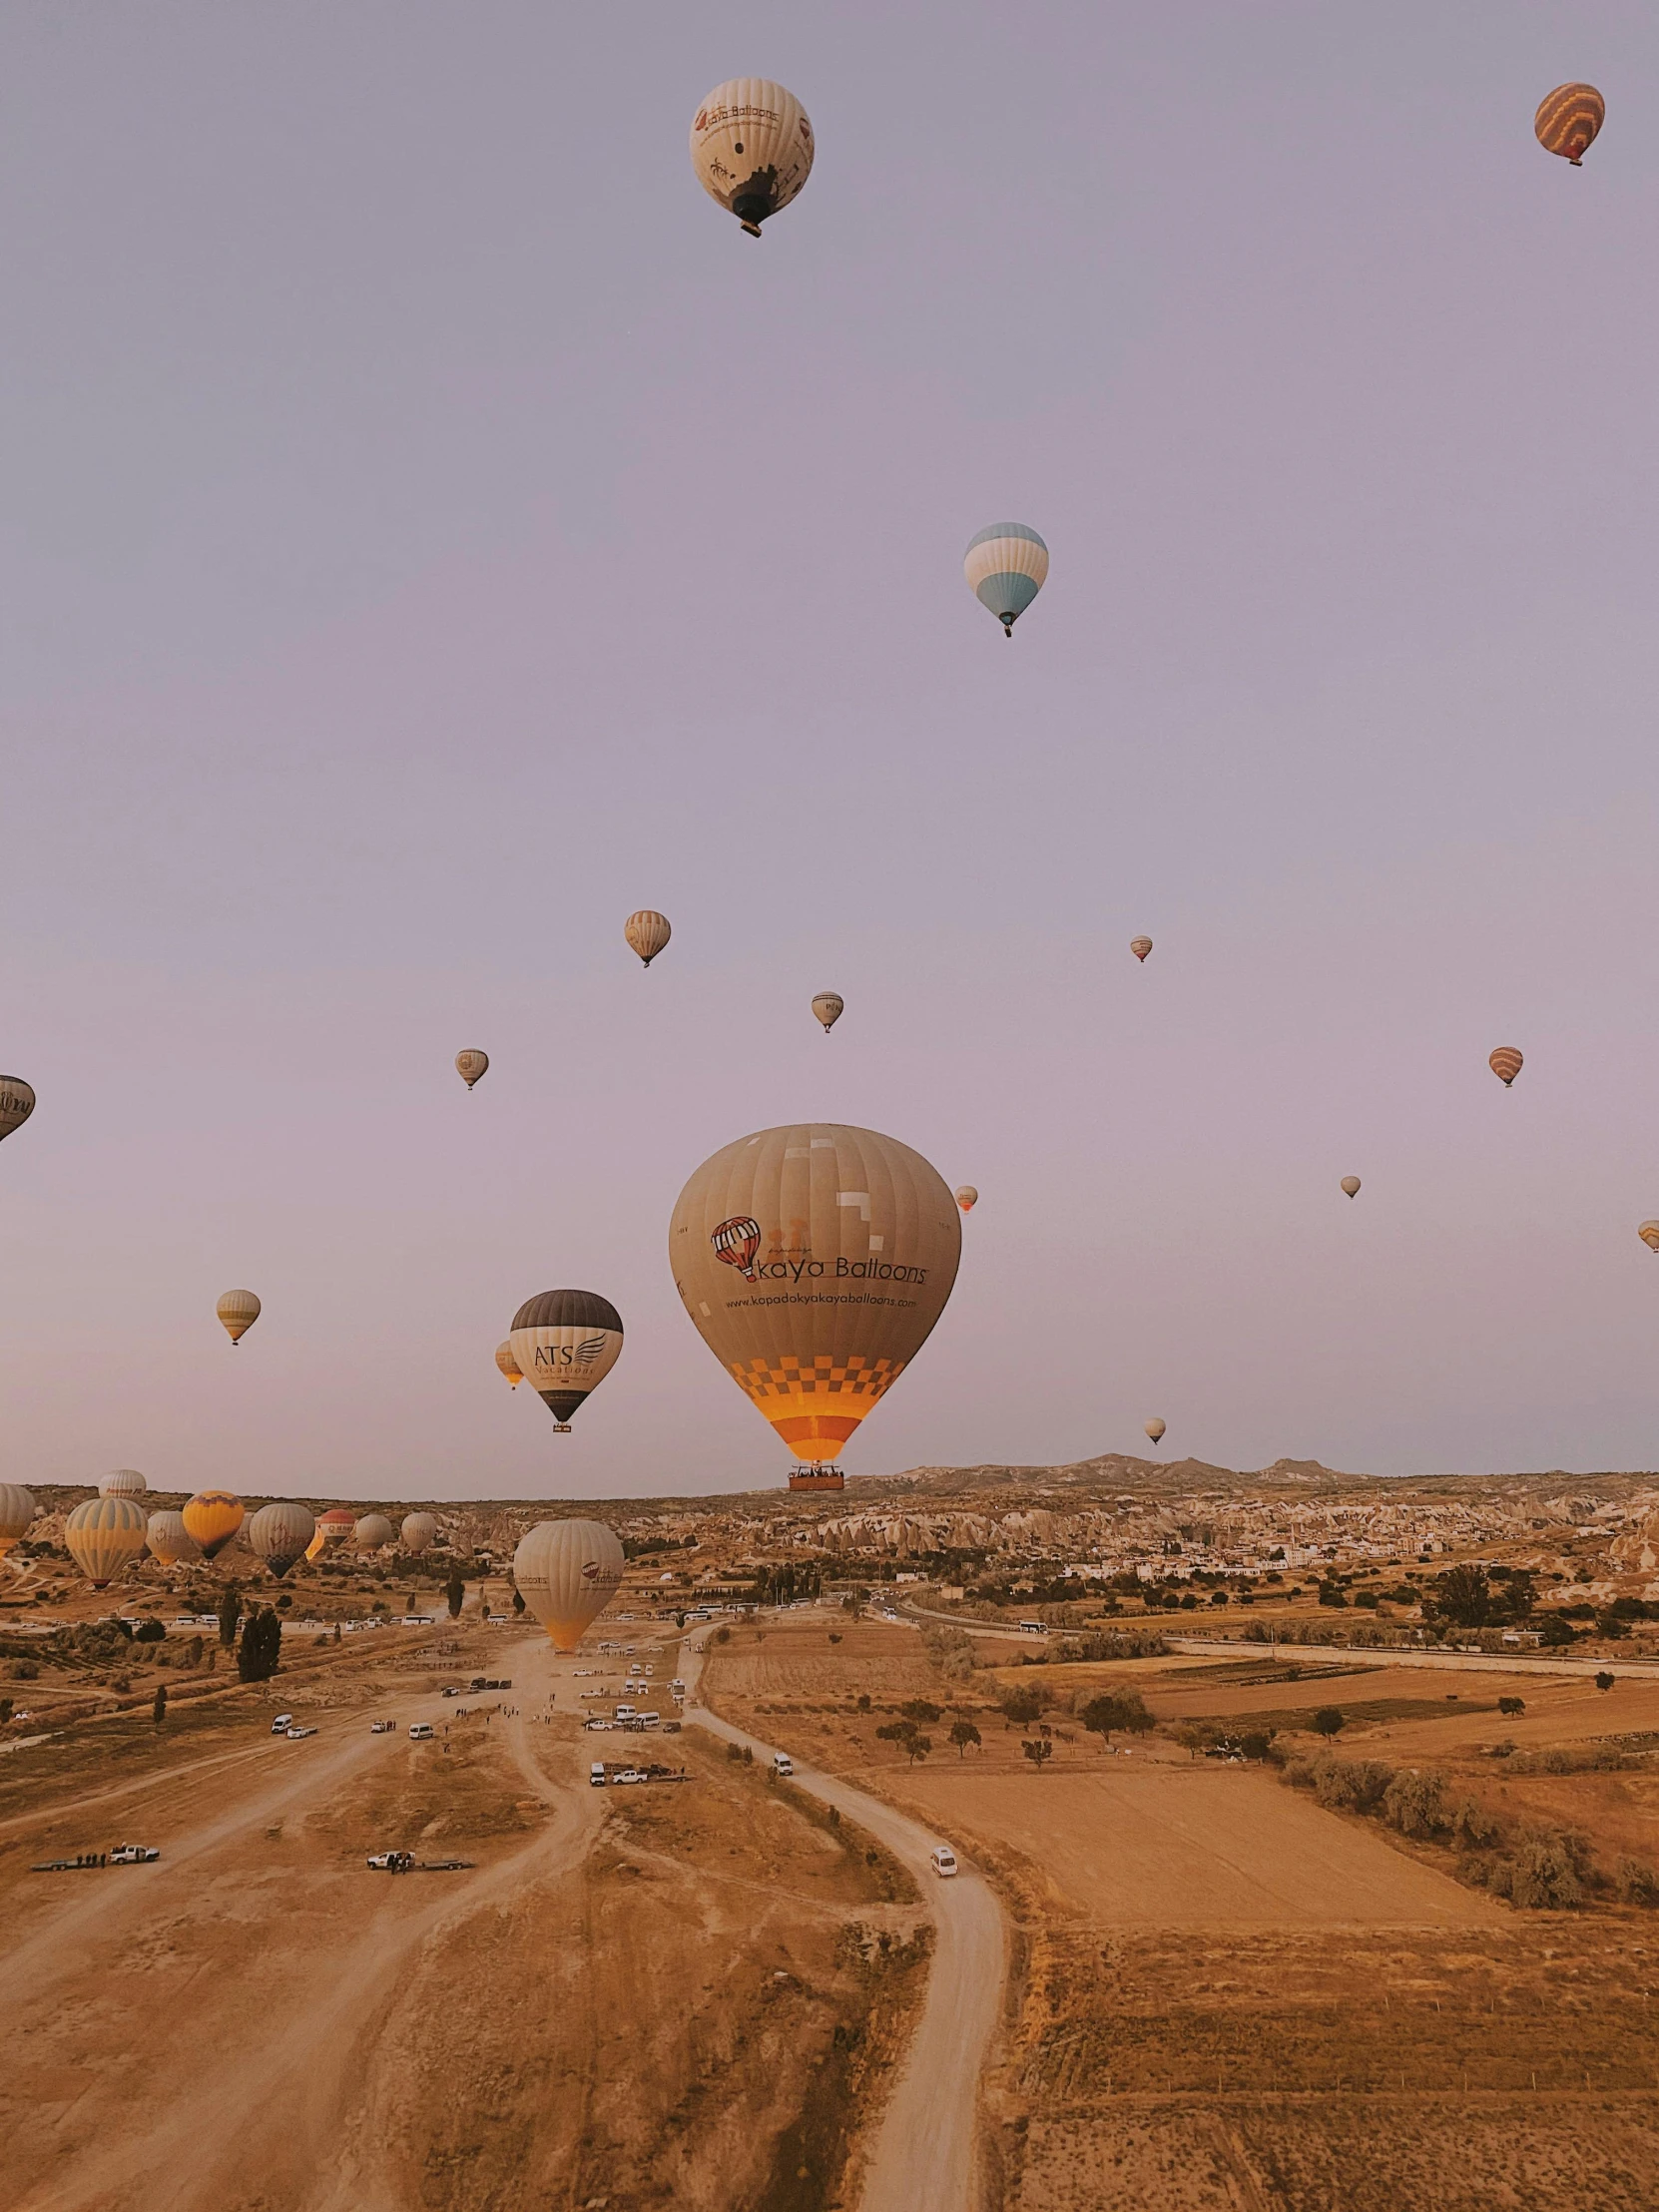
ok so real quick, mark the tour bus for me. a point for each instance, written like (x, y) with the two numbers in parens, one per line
(1033, 1628)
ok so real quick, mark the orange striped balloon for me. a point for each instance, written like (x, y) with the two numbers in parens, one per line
(1505, 1063)
(1568, 120)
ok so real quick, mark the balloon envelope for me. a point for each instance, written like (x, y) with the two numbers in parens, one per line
(647, 933)
(1505, 1063)
(124, 1482)
(103, 1534)
(238, 1311)
(1140, 946)
(1005, 567)
(751, 148)
(17, 1103)
(566, 1572)
(828, 1007)
(507, 1364)
(1155, 1429)
(1351, 1183)
(213, 1518)
(1568, 121)
(171, 1541)
(968, 1197)
(337, 1524)
(814, 1261)
(282, 1532)
(17, 1511)
(1649, 1234)
(374, 1533)
(566, 1341)
(418, 1531)
(470, 1065)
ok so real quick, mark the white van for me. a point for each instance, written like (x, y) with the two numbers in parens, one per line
(420, 1732)
(783, 1764)
(596, 1775)
(281, 1724)
(943, 1860)
(622, 1713)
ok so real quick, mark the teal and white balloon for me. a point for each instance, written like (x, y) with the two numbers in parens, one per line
(1006, 566)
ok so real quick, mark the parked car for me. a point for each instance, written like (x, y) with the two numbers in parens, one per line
(298, 1734)
(281, 1724)
(596, 1722)
(133, 1854)
(674, 1728)
(783, 1764)
(382, 1728)
(943, 1860)
(391, 1862)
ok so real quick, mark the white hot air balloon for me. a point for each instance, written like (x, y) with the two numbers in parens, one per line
(1155, 1429)
(752, 149)
(1007, 566)
(124, 1482)
(282, 1532)
(566, 1572)
(171, 1541)
(374, 1533)
(17, 1511)
(418, 1533)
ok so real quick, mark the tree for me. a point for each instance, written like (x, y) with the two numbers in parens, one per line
(193, 1652)
(1464, 1597)
(518, 1603)
(5, 1710)
(1121, 1709)
(1038, 1750)
(230, 1615)
(1256, 1743)
(1021, 1707)
(963, 1733)
(159, 1709)
(1553, 1630)
(149, 1632)
(1604, 1681)
(917, 1709)
(917, 1746)
(258, 1655)
(455, 1596)
(1512, 1705)
(1328, 1721)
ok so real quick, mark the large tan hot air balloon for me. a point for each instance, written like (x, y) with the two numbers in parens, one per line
(418, 1533)
(124, 1482)
(566, 1341)
(17, 1103)
(282, 1532)
(1505, 1063)
(751, 148)
(1350, 1184)
(1649, 1234)
(470, 1065)
(238, 1311)
(1568, 121)
(213, 1518)
(828, 1007)
(374, 1533)
(17, 1511)
(966, 1197)
(102, 1536)
(566, 1572)
(647, 933)
(171, 1541)
(1140, 946)
(507, 1364)
(814, 1261)
(1155, 1429)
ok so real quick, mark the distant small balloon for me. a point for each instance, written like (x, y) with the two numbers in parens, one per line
(1140, 946)
(17, 1103)
(1568, 120)
(238, 1311)
(505, 1360)
(1351, 1183)
(828, 1007)
(125, 1482)
(1505, 1063)
(1649, 1234)
(470, 1065)
(17, 1511)
(647, 933)
(968, 1197)
(1005, 567)
(1155, 1429)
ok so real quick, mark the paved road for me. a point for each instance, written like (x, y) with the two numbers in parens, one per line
(1470, 1662)
(923, 2157)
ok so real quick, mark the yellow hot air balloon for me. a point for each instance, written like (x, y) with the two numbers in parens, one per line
(828, 1007)
(238, 1311)
(17, 1511)
(124, 1482)
(1505, 1063)
(102, 1536)
(1568, 121)
(814, 1261)
(1351, 1183)
(17, 1103)
(507, 1364)
(752, 149)
(647, 933)
(470, 1065)
(282, 1532)
(418, 1533)
(1649, 1234)
(213, 1518)
(171, 1541)
(566, 1572)
(374, 1533)
(1140, 946)
(1155, 1429)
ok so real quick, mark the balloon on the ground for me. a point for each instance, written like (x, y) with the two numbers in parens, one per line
(1505, 1063)
(418, 1533)
(752, 149)
(1351, 1183)
(647, 933)
(1005, 567)
(566, 1343)
(103, 1534)
(469, 1066)
(566, 1572)
(1140, 946)
(507, 1364)
(282, 1532)
(124, 1482)
(238, 1311)
(1155, 1429)
(332, 1528)
(17, 1511)
(814, 1261)
(171, 1541)
(968, 1197)
(828, 1007)
(213, 1518)
(1649, 1234)
(1568, 121)
(374, 1533)
(17, 1103)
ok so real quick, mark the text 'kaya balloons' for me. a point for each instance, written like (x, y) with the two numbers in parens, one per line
(1005, 567)
(647, 933)
(280, 1533)
(1568, 121)
(566, 1572)
(103, 1534)
(566, 1341)
(471, 1065)
(751, 148)
(17, 1511)
(814, 1261)
(213, 1518)
(17, 1103)
(238, 1311)
(1505, 1063)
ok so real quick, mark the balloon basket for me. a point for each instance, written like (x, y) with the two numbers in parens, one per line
(561, 1429)
(818, 1478)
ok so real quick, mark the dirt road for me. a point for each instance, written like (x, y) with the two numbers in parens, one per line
(1472, 1662)
(923, 2158)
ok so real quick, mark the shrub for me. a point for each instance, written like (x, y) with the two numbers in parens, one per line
(1256, 1743)
(1415, 1805)
(864, 1701)
(1512, 1705)
(1544, 1873)
(1352, 1785)
(1022, 1706)
(1634, 1883)
(1473, 1826)
(1328, 1721)
(149, 1632)
(918, 1710)
(1604, 1681)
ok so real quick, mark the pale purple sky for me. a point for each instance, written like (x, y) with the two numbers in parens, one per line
(431, 530)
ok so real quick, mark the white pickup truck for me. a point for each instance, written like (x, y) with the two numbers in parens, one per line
(134, 1854)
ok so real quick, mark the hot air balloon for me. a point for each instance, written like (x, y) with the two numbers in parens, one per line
(968, 1197)
(1155, 1429)
(814, 1261)
(1568, 121)
(17, 1103)
(752, 149)
(1005, 567)
(1649, 1234)
(469, 1066)
(171, 1541)
(280, 1533)
(17, 1511)
(1505, 1063)
(124, 1482)
(647, 933)
(102, 1536)
(566, 1572)
(334, 1528)
(1351, 1183)
(1140, 946)
(828, 1007)
(418, 1533)
(238, 1311)
(213, 1518)
(507, 1364)
(374, 1533)
(566, 1341)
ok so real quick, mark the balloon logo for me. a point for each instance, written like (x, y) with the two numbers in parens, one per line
(735, 1241)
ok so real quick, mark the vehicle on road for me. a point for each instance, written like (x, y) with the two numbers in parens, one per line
(281, 1724)
(943, 1860)
(782, 1764)
(134, 1854)
(298, 1734)
(1033, 1628)
(673, 1728)
(596, 1775)
(390, 1861)
(624, 1713)
(596, 1722)
(420, 1732)
(453, 1690)
(382, 1728)
(628, 1774)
